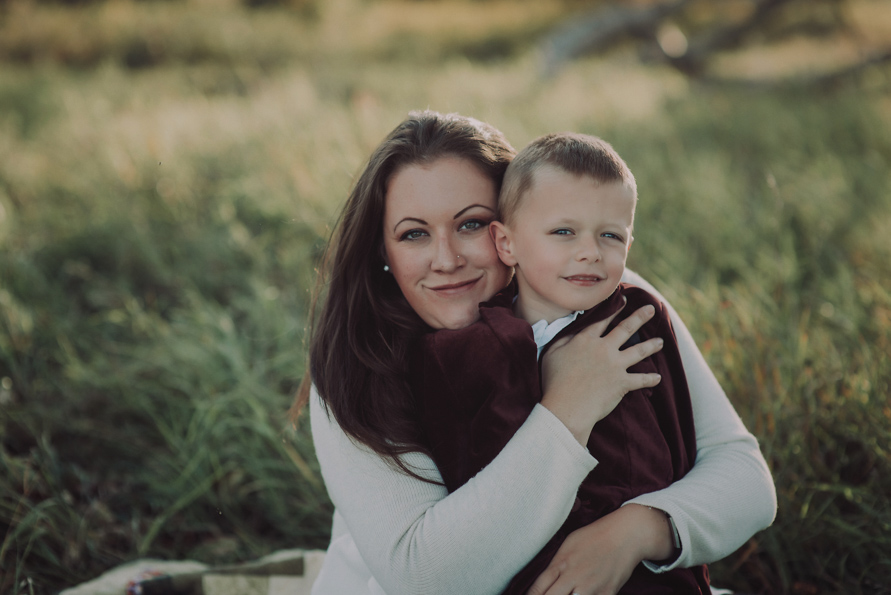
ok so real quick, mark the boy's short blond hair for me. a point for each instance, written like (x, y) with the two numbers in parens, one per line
(579, 154)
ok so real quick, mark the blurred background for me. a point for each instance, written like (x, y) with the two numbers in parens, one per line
(170, 169)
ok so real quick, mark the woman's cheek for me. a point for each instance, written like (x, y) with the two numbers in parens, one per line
(484, 252)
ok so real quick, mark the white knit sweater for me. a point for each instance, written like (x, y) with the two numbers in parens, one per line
(395, 535)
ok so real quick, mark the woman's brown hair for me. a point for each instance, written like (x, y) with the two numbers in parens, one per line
(358, 346)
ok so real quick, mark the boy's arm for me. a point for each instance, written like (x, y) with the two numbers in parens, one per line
(729, 494)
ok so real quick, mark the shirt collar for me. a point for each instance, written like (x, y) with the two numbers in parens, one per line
(544, 332)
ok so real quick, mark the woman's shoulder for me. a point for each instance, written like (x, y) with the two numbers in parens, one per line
(638, 292)
(630, 277)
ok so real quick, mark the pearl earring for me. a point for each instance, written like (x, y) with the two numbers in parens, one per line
(386, 268)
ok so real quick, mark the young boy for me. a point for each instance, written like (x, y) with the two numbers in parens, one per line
(566, 214)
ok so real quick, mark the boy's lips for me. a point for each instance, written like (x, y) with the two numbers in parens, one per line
(584, 279)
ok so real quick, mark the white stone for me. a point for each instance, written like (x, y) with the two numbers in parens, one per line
(234, 584)
(114, 581)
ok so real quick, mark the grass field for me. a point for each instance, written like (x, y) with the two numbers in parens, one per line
(168, 172)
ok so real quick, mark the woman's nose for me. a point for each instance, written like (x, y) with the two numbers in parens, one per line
(446, 259)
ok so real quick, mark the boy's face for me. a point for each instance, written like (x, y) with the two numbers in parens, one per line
(568, 241)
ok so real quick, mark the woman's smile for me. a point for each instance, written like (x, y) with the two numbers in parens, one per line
(455, 288)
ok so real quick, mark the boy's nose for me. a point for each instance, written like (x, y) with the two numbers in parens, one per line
(588, 250)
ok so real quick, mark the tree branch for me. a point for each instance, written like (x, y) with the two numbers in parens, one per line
(701, 48)
(600, 30)
(827, 81)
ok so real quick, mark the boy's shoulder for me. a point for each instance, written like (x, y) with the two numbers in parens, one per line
(640, 296)
(623, 302)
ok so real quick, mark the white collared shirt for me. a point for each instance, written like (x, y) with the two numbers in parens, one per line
(544, 332)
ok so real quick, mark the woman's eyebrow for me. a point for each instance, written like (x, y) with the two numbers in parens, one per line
(415, 219)
(465, 209)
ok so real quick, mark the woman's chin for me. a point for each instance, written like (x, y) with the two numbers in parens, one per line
(453, 320)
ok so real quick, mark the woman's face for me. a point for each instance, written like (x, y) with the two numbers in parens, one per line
(437, 243)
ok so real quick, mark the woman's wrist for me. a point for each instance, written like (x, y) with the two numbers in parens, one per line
(573, 423)
(656, 534)
(580, 420)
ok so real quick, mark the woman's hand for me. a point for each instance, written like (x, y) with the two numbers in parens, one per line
(598, 558)
(585, 376)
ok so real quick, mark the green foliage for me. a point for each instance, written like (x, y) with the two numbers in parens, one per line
(149, 354)
(159, 228)
(773, 214)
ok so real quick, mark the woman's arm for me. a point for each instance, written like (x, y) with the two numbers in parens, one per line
(726, 497)
(415, 538)
(729, 494)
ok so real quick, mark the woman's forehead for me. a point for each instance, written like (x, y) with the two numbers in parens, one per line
(446, 186)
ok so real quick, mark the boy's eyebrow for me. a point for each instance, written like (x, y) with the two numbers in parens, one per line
(465, 209)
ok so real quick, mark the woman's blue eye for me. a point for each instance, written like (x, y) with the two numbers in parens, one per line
(413, 234)
(472, 224)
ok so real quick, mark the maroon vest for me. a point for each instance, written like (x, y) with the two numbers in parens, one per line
(476, 386)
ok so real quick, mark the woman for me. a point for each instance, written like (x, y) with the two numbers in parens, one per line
(412, 252)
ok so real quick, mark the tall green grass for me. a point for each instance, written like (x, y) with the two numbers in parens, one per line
(159, 227)
(779, 235)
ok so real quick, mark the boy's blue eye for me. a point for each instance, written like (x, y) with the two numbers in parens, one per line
(562, 232)
(614, 236)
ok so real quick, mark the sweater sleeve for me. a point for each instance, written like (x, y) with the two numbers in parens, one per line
(729, 494)
(417, 538)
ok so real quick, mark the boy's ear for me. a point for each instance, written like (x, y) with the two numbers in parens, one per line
(503, 242)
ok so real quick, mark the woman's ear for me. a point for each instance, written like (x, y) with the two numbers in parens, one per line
(501, 236)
